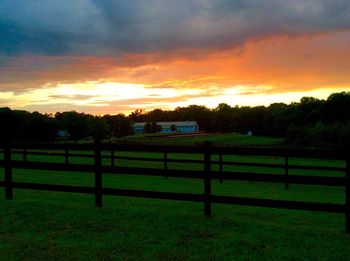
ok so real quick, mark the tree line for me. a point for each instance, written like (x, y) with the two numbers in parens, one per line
(19, 125)
(311, 121)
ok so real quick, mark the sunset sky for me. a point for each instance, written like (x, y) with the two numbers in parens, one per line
(100, 56)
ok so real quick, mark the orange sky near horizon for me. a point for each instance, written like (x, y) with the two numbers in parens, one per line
(259, 72)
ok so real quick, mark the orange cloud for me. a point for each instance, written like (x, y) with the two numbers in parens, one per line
(270, 66)
(283, 64)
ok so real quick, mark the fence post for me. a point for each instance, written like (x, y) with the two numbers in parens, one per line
(98, 174)
(24, 154)
(347, 195)
(165, 164)
(112, 157)
(207, 179)
(286, 171)
(66, 157)
(221, 169)
(8, 171)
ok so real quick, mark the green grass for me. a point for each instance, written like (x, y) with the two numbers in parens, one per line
(227, 139)
(40, 225)
(58, 226)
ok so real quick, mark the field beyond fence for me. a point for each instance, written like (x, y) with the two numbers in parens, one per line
(204, 163)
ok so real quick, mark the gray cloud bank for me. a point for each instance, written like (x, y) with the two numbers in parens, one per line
(102, 27)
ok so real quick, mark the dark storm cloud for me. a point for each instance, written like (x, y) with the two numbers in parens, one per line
(15, 39)
(48, 26)
(105, 27)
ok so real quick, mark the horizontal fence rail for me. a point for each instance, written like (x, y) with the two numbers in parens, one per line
(210, 161)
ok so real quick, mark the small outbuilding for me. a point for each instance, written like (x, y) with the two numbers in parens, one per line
(170, 127)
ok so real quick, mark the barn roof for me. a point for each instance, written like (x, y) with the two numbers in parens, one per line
(168, 123)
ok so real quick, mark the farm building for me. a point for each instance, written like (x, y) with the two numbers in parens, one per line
(169, 127)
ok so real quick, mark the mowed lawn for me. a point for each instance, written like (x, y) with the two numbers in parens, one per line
(227, 139)
(40, 225)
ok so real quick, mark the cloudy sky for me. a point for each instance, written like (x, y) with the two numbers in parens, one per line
(101, 56)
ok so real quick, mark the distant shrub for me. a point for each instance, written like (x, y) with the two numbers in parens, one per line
(320, 135)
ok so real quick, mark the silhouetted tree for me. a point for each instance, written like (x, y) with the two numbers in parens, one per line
(310, 122)
(152, 127)
(173, 127)
(78, 125)
(99, 128)
(119, 125)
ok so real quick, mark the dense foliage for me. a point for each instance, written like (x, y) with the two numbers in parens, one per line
(308, 122)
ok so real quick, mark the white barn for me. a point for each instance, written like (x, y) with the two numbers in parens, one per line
(168, 127)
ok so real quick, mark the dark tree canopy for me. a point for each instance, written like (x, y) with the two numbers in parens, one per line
(308, 122)
(152, 127)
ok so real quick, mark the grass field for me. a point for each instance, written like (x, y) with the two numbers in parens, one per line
(39, 225)
(227, 139)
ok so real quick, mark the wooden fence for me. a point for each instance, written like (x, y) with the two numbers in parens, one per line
(98, 152)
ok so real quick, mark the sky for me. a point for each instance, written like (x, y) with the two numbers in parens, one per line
(109, 57)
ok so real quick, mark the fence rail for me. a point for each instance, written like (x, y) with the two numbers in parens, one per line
(99, 152)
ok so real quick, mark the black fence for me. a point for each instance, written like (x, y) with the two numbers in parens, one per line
(99, 152)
